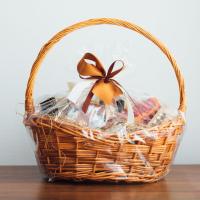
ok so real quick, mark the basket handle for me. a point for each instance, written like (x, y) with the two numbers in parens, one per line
(29, 106)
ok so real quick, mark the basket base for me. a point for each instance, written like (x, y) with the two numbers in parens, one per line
(64, 155)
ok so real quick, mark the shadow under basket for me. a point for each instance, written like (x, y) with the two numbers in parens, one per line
(64, 152)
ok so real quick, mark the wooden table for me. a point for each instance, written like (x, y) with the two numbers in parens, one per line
(26, 183)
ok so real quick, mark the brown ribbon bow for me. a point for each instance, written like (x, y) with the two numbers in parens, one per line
(105, 87)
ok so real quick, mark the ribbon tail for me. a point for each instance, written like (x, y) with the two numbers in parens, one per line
(78, 89)
(87, 101)
(88, 98)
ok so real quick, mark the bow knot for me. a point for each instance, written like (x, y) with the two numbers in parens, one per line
(106, 88)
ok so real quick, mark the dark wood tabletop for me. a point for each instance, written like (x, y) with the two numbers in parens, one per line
(25, 182)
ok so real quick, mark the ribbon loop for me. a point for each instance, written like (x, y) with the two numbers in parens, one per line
(112, 73)
(105, 87)
(87, 69)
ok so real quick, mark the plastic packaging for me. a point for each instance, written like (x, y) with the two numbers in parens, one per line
(101, 144)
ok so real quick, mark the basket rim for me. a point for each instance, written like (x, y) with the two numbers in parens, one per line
(75, 129)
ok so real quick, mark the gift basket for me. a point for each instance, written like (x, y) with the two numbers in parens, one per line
(97, 130)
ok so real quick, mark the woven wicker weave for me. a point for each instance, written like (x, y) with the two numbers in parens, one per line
(64, 152)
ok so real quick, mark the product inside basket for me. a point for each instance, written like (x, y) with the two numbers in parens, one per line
(101, 104)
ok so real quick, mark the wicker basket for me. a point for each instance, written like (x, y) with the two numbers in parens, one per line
(64, 152)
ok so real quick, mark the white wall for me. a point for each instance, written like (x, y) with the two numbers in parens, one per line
(26, 25)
